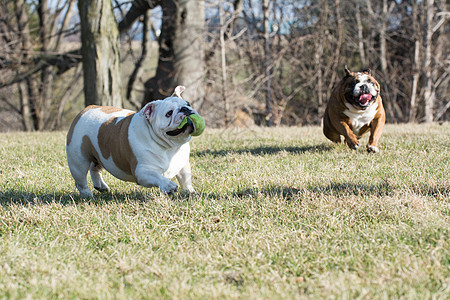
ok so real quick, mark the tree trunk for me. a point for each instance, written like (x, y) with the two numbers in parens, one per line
(383, 29)
(25, 108)
(384, 59)
(440, 74)
(412, 108)
(181, 52)
(415, 66)
(223, 65)
(47, 74)
(428, 94)
(100, 50)
(333, 66)
(362, 53)
(271, 106)
(318, 55)
(31, 113)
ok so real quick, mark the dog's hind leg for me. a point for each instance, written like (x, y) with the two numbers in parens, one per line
(332, 135)
(97, 180)
(79, 168)
(329, 131)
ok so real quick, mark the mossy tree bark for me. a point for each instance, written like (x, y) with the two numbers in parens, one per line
(100, 51)
(181, 52)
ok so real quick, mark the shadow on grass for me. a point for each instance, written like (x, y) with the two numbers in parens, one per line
(347, 189)
(334, 189)
(11, 197)
(266, 150)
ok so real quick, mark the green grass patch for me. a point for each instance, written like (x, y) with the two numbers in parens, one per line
(280, 214)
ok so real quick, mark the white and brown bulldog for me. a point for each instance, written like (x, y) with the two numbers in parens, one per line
(355, 107)
(145, 147)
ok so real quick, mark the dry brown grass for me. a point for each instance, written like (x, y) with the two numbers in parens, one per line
(281, 213)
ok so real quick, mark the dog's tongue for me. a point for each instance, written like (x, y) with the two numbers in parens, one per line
(363, 99)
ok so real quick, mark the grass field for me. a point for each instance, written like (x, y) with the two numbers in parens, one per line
(279, 214)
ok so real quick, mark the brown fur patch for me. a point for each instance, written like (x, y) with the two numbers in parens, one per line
(110, 109)
(104, 109)
(75, 121)
(364, 129)
(113, 141)
(88, 150)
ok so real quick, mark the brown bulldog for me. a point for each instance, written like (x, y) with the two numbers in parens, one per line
(354, 108)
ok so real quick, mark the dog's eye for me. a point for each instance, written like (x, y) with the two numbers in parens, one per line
(169, 113)
(188, 104)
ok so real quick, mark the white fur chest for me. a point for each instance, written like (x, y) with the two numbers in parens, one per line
(359, 118)
(178, 161)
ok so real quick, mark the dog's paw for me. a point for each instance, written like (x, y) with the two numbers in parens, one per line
(372, 149)
(86, 194)
(168, 187)
(190, 189)
(102, 189)
(352, 144)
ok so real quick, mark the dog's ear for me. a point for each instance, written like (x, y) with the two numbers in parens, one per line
(178, 90)
(367, 71)
(149, 109)
(347, 71)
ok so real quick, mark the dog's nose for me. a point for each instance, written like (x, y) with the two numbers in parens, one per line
(364, 89)
(186, 110)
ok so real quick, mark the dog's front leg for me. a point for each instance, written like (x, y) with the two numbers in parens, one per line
(376, 128)
(350, 137)
(184, 177)
(149, 178)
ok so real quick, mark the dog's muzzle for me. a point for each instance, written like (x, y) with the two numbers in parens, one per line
(188, 127)
(186, 110)
(363, 97)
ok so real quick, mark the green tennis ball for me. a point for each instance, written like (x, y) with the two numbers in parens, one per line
(185, 120)
(199, 124)
(197, 121)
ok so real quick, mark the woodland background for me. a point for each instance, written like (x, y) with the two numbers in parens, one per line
(244, 62)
